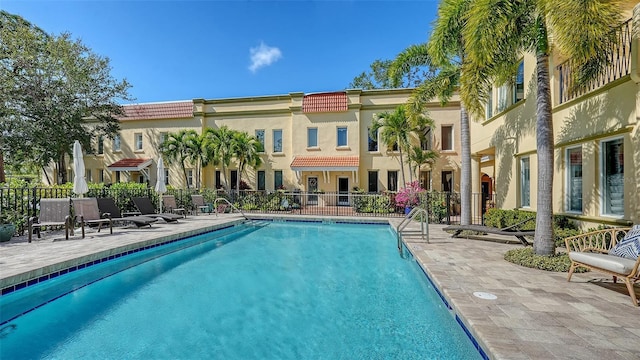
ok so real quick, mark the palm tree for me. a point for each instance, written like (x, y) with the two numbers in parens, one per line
(246, 150)
(394, 128)
(445, 52)
(420, 157)
(177, 148)
(218, 144)
(497, 33)
(196, 155)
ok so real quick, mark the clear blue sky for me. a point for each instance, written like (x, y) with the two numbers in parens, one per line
(180, 50)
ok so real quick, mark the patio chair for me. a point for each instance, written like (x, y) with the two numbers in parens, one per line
(86, 212)
(53, 212)
(108, 206)
(145, 207)
(199, 205)
(169, 202)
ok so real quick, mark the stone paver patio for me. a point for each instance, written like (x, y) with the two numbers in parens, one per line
(537, 314)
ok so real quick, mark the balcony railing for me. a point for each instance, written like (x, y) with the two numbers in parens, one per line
(619, 66)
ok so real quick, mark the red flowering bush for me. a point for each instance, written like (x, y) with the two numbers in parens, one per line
(410, 195)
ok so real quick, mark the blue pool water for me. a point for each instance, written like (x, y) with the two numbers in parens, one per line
(284, 291)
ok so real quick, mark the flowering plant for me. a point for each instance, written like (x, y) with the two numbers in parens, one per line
(410, 195)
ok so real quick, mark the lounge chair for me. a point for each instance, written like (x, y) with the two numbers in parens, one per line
(108, 206)
(53, 212)
(169, 202)
(86, 212)
(199, 205)
(145, 207)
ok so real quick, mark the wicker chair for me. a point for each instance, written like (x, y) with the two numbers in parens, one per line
(591, 250)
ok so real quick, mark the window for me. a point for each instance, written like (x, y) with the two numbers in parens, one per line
(574, 180)
(218, 179)
(277, 141)
(116, 143)
(260, 136)
(392, 180)
(525, 182)
(489, 109)
(87, 175)
(100, 144)
(312, 137)
(262, 180)
(612, 160)
(447, 137)
(373, 182)
(277, 180)
(166, 176)
(425, 139)
(502, 98)
(142, 179)
(425, 180)
(518, 86)
(101, 176)
(394, 147)
(163, 137)
(373, 143)
(117, 176)
(447, 181)
(189, 178)
(342, 136)
(138, 141)
(234, 179)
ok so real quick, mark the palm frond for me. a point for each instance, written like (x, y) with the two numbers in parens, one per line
(413, 56)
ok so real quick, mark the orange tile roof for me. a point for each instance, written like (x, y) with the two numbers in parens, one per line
(308, 162)
(168, 110)
(130, 164)
(325, 102)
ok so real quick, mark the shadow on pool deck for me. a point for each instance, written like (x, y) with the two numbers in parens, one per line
(537, 314)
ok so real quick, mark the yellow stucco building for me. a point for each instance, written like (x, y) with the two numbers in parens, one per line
(597, 139)
(312, 142)
(320, 141)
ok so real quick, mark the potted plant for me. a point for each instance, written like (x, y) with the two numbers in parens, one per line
(409, 196)
(8, 220)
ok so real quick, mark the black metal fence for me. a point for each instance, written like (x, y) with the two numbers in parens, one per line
(443, 207)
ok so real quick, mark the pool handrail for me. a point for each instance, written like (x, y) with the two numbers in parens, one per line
(215, 207)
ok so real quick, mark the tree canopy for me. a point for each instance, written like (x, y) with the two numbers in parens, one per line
(383, 75)
(55, 90)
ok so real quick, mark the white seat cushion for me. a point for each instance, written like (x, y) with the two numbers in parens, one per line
(613, 263)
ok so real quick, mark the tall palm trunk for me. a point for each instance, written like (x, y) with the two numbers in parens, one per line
(184, 172)
(465, 176)
(404, 180)
(544, 242)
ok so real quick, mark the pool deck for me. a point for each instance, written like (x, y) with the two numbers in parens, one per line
(537, 314)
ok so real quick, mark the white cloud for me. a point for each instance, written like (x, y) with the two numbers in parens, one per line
(263, 55)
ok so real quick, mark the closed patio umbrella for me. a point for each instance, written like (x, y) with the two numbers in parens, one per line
(161, 188)
(79, 183)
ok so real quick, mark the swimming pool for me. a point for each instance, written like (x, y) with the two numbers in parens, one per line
(283, 291)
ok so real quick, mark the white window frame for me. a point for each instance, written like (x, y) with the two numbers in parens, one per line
(138, 144)
(603, 178)
(281, 140)
(346, 136)
(522, 181)
(309, 145)
(568, 184)
(117, 143)
(190, 179)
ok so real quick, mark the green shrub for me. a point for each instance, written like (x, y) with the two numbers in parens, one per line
(526, 257)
